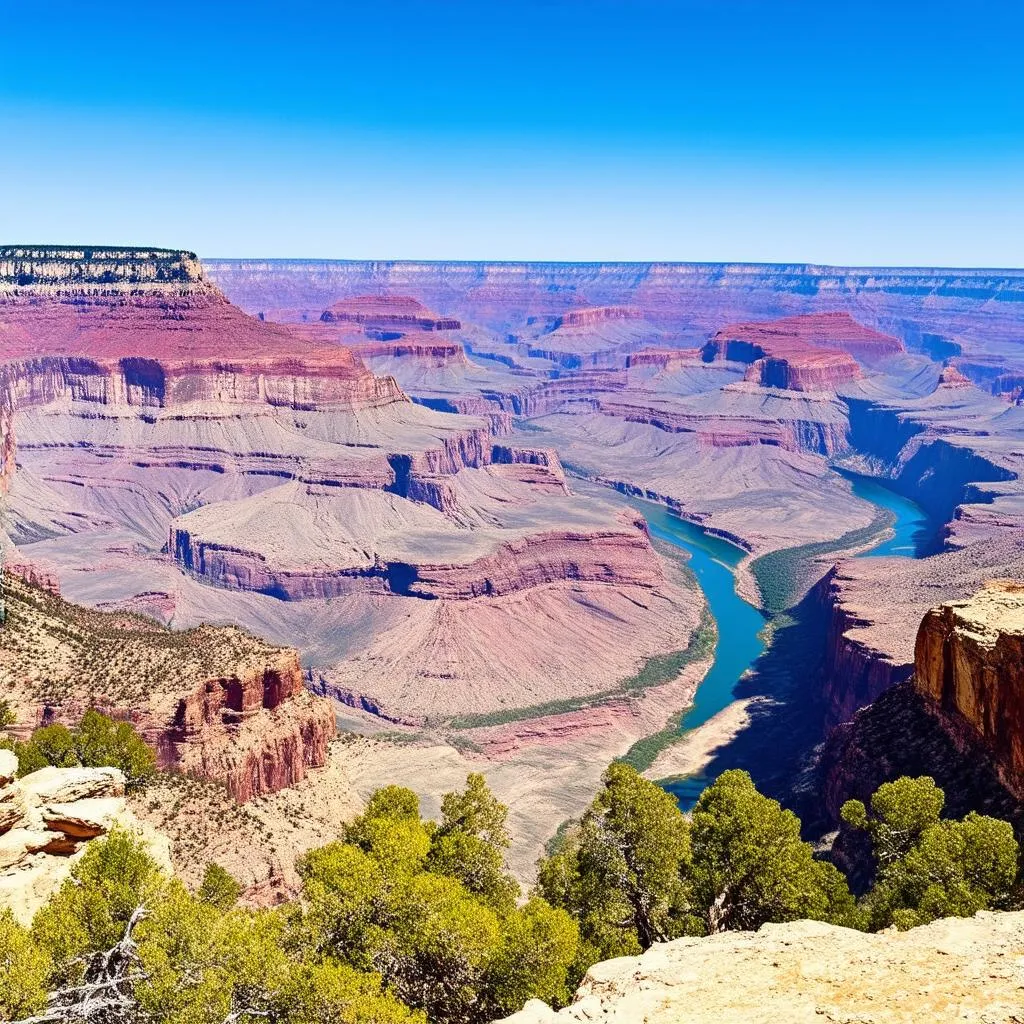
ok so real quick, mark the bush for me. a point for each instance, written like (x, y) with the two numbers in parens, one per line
(98, 741)
(930, 868)
(219, 888)
(24, 970)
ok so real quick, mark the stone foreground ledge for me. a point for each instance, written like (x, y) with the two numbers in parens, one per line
(964, 970)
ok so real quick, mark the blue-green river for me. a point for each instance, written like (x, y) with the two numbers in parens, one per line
(714, 560)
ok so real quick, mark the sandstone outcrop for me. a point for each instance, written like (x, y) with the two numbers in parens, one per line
(46, 821)
(969, 662)
(215, 702)
(806, 972)
(396, 312)
(802, 353)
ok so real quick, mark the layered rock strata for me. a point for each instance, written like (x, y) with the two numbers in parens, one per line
(47, 820)
(215, 702)
(969, 662)
(391, 312)
(802, 353)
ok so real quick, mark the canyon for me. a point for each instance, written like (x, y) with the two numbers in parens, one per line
(415, 476)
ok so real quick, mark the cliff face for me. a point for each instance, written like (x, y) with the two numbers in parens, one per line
(595, 315)
(969, 662)
(97, 268)
(802, 353)
(215, 702)
(805, 971)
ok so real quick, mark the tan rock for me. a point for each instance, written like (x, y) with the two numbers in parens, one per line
(84, 819)
(12, 808)
(66, 785)
(811, 973)
(59, 810)
(969, 662)
(8, 767)
(18, 843)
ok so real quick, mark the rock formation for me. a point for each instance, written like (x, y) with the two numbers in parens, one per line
(804, 353)
(969, 662)
(806, 972)
(214, 702)
(388, 312)
(47, 819)
(179, 458)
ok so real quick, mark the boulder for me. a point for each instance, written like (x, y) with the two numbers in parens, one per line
(51, 815)
(83, 819)
(66, 785)
(8, 767)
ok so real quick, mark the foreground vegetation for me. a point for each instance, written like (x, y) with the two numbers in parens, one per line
(409, 920)
(97, 741)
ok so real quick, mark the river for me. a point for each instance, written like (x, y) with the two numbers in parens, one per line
(740, 624)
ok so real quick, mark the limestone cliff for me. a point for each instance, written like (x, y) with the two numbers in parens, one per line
(47, 819)
(215, 702)
(811, 973)
(969, 662)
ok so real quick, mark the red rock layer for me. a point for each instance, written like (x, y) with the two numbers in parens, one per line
(215, 702)
(439, 354)
(969, 662)
(591, 315)
(622, 556)
(395, 311)
(663, 358)
(803, 353)
(258, 732)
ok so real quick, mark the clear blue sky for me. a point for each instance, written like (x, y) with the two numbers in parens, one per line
(825, 131)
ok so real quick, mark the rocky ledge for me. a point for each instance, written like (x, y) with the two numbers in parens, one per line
(213, 702)
(969, 662)
(811, 973)
(397, 312)
(48, 818)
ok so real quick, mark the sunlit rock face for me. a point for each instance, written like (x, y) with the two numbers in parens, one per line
(969, 662)
(844, 975)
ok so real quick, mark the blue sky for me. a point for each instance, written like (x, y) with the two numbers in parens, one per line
(859, 133)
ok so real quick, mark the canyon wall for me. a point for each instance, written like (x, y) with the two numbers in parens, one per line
(214, 702)
(969, 662)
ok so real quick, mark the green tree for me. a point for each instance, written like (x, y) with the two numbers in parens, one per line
(623, 872)
(101, 741)
(24, 970)
(219, 888)
(437, 952)
(901, 811)
(50, 744)
(200, 964)
(534, 961)
(97, 741)
(332, 993)
(930, 868)
(346, 896)
(470, 843)
(750, 865)
(7, 715)
(92, 908)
